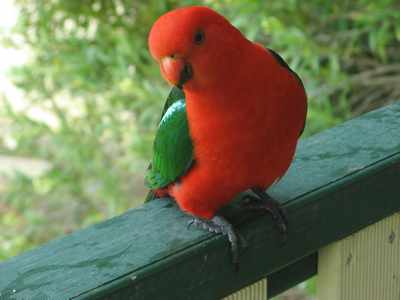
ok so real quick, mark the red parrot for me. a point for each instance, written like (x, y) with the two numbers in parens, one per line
(231, 123)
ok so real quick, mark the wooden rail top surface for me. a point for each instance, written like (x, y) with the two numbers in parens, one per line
(341, 180)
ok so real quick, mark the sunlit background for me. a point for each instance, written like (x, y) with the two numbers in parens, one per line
(80, 96)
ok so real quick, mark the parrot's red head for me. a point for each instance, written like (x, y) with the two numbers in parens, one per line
(195, 46)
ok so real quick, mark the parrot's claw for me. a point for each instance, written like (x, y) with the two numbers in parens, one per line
(263, 202)
(219, 224)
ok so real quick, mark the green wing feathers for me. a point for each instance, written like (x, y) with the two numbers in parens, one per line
(174, 95)
(173, 148)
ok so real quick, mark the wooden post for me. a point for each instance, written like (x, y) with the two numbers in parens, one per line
(363, 266)
(256, 291)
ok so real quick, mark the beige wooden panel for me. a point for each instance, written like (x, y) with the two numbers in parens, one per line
(364, 266)
(256, 291)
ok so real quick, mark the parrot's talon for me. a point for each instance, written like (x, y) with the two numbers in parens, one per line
(220, 225)
(263, 202)
(242, 241)
(190, 223)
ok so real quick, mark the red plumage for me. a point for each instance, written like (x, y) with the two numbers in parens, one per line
(245, 110)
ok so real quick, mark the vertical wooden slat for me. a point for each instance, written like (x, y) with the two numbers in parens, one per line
(363, 266)
(256, 291)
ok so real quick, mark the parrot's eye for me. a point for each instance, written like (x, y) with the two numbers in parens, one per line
(198, 38)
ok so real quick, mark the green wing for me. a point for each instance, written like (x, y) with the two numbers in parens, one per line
(173, 148)
(174, 95)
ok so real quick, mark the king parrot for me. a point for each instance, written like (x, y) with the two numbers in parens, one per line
(231, 122)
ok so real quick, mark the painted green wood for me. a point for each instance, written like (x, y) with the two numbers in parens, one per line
(342, 180)
(297, 272)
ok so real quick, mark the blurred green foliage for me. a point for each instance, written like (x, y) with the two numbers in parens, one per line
(90, 69)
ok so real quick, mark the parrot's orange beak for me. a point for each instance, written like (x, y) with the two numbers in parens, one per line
(175, 70)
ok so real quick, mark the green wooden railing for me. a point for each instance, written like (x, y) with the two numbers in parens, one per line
(341, 181)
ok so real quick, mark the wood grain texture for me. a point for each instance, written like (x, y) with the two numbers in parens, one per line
(255, 291)
(341, 181)
(363, 266)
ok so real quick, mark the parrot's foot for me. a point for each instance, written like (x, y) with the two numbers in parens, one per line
(219, 224)
(264, 203)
